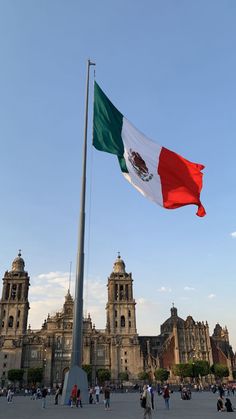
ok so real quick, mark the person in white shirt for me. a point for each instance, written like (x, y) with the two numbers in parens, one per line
(97, 392)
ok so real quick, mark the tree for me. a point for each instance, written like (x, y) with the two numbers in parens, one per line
(202, 368)
(161, 374)
(199, 368)
(143, 375)
(183, 370)
(15, 375)
(123, 376)
(220, 370)
(35, 375)
(103, 375)
(88, 369)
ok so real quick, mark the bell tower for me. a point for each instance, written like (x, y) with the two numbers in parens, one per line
(121, 317)
(125, 354)
(14, 305)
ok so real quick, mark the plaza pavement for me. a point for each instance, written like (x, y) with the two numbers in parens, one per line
(126, 405)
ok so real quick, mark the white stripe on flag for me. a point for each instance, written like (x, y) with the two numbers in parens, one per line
(148, 183)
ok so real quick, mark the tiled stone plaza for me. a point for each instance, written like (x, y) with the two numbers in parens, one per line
(202, 405)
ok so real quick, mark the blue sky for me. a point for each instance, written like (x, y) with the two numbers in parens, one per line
(169, 67)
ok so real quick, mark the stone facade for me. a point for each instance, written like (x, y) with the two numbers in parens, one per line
(118, 347)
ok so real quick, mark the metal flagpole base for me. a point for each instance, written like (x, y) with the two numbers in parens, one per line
(75, 375)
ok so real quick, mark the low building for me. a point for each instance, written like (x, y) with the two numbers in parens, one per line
(118, 347)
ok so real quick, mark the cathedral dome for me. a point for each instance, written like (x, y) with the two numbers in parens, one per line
(174, 320)
(18, 264)
(119, 265)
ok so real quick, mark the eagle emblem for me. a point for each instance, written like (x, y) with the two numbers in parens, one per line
(139, 165)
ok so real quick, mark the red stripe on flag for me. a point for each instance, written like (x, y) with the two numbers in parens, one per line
(181, 181)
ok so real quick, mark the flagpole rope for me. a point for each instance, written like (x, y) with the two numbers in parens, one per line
(89, 235)
(91, 181)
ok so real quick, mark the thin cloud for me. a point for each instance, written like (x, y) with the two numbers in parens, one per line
(164, 289)
(145, 313)
(47, 295)
(189, 288)
(211, 296)
(233, 234)
(97, 291)
(141, 300)
(52, 275)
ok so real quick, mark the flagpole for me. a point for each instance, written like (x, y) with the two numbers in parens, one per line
(77, 337)
(76, 375)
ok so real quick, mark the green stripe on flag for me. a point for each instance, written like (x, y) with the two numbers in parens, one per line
(107, 127)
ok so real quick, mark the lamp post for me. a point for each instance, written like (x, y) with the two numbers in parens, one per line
(193, 366)
(193, 372)
(44, 365)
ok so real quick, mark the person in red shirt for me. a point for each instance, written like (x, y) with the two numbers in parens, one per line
(166, 396)
(73, 396)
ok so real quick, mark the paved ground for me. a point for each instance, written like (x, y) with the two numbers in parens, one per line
(202, 405)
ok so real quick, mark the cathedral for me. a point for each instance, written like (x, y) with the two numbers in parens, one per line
(117, 348)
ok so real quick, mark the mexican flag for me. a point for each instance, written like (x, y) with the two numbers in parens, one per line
(156, 172)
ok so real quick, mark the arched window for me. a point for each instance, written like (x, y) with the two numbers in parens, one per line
(13, 291)
(115, 313)
(10, 321)
(116, 292)
(129, 313)
(18, 314)
(115, 323)
(122, 321)
(58, 342)
(19, 291)
(17, 324)
(2, 323)
(7, 291)
(121, 292)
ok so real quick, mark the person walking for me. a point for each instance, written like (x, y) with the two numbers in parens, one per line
(221, 391)
(107, 395)
(38, 393)
(78, 400)
(166, 396)
(33, 393)
(10, 395)
(91, 395)
(57, 395)
(151, 390)
(44, 395)
(73, 395)
(97, 392)
(146, 402)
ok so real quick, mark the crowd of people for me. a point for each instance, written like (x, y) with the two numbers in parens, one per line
(224, 403)
(94, 396)
(98, 394)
